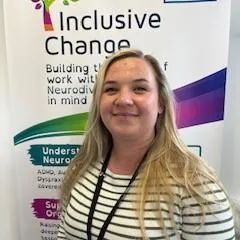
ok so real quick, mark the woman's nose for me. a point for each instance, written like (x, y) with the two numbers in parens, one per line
(124, 98)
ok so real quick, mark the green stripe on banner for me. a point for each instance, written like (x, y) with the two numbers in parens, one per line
(64, 126)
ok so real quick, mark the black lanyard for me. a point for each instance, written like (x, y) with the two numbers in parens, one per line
(96, 195)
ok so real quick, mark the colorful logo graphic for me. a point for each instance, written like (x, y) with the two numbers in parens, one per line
(45, 6)
(187, 1)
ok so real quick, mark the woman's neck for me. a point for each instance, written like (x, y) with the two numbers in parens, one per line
(126, 157)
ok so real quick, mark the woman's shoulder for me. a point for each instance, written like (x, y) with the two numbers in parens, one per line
(208, 194)
(211, 212)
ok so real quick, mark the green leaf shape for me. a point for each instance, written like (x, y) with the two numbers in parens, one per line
(48, 3)
(65, 2)
(64, 126)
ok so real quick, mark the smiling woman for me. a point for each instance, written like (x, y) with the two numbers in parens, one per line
(134, 178)
(130, 101)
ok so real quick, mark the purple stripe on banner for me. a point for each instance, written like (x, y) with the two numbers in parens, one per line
(46, 208)
(207, 84)
(202, 101)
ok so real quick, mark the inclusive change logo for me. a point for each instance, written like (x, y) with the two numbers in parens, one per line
(45, 5)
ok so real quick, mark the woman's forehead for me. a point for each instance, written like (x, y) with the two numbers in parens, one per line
(130, 66)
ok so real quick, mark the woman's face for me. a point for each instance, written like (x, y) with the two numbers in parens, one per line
(129, 104)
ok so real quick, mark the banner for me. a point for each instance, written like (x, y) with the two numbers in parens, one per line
(54, 51)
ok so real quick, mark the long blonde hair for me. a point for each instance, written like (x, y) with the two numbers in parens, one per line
(167, 157)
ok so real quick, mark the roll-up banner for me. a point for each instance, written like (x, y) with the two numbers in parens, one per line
(54, 51)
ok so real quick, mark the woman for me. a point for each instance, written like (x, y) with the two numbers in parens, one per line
(134, 178)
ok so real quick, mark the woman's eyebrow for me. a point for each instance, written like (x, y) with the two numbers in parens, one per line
(109, 82)
(135, 80)
(140, 80)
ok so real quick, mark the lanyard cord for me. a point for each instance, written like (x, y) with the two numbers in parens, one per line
(97, 193)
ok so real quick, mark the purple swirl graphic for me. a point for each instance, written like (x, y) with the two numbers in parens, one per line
(202, 101)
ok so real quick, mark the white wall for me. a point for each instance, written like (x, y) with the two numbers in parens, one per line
(8, 217)
(230, 169)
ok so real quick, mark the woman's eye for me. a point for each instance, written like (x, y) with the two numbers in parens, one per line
(110, 90)
(140, 89)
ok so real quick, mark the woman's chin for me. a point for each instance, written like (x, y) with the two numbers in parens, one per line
(126, 135)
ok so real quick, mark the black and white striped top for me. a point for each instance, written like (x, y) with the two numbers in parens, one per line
(218, 221)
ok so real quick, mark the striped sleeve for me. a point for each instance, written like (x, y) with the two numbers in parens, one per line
(216, 224)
